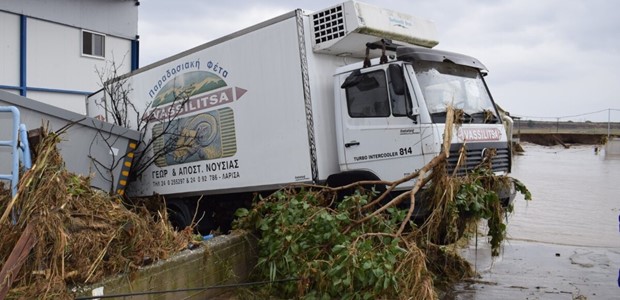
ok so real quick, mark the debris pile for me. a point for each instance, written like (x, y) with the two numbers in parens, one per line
(367, 245)
(77, 235)
(357, 249)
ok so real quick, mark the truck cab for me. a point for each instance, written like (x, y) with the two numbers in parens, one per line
(392, 115)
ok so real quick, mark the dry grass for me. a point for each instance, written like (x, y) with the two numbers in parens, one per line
(81, 234)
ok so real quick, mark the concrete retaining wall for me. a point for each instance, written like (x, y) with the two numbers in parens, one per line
(220, 261)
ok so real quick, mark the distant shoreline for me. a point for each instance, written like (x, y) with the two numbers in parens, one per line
(564, 127)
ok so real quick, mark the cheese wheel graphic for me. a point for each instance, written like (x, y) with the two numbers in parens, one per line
(205, 136)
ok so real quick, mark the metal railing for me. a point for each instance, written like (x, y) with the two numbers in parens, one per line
(19, 147)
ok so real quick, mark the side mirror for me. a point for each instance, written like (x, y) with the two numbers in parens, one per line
(413, 114)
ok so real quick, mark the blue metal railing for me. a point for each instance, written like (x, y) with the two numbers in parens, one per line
(18, 148)
(24, 146)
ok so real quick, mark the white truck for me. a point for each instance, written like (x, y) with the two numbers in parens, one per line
(348, 93)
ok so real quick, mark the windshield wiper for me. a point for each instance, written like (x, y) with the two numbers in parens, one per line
(440, 117)
(467, 118)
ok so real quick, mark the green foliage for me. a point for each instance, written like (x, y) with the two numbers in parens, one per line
(521, 188)
(477, 198)
(301, 238)
(335, 255)
(75, 185)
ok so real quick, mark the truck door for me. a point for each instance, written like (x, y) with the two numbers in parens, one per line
(380, 130)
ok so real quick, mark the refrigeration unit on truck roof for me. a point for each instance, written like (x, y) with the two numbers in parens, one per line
(343, 29)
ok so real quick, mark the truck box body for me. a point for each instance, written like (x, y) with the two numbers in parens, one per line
(89, 147)
(270, 97)
(253, 118)
(274, 104)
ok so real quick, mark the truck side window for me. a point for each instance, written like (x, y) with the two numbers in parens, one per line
(399, 94)
(368, 96)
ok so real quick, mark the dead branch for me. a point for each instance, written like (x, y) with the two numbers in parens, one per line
(427, 168)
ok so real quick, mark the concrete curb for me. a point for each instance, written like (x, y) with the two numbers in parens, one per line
(222, 260)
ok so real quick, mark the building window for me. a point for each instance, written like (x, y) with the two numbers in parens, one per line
(93, 44)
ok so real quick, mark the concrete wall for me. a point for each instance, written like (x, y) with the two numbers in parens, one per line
(222, 260)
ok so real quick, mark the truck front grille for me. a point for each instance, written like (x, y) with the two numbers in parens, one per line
(328, 24)
(474, 155)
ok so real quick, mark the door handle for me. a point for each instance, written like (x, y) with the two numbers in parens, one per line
(352, 143)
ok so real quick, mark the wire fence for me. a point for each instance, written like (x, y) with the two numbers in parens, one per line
(603, 115)
(571, 124)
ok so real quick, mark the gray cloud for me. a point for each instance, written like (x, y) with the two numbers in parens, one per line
(546, 58)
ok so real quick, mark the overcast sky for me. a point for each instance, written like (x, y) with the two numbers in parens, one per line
(546, 58)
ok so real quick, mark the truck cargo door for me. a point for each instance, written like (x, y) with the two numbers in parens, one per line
(379, 132)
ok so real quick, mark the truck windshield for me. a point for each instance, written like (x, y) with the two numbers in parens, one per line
(444, 84)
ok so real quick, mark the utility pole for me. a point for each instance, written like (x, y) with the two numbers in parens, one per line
(608, 124)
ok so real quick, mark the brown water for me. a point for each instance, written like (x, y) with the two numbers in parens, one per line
(565, 244)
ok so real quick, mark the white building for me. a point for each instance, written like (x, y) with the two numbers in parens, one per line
(50, 50)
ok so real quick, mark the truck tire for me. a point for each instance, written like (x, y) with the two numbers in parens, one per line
(179, 214)
(348, 177)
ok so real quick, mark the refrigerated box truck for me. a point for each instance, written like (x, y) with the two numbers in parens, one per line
(344, 94)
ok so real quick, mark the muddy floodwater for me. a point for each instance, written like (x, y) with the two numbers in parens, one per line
(565, 243)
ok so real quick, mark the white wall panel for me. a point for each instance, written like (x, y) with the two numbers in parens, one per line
(55, 60)
(9, 49)
(74, 103)
(118, 18)
(53, 45)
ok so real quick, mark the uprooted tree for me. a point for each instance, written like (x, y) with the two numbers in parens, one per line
(367, 245)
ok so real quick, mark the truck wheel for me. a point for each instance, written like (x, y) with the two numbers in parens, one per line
(348, 177)
(179, 215)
